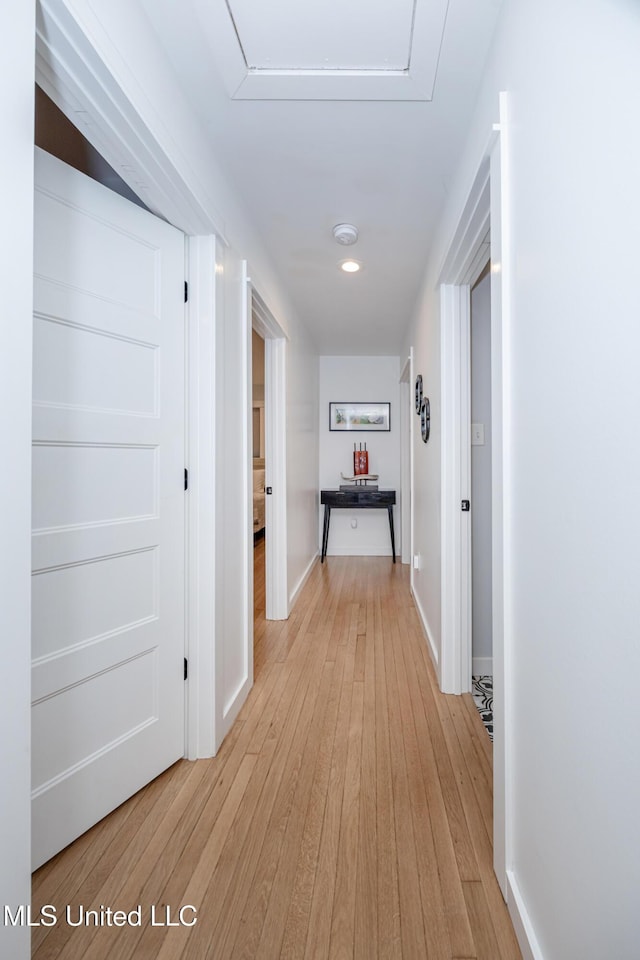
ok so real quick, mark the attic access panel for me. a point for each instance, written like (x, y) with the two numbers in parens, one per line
(333, 35)
(326, 49)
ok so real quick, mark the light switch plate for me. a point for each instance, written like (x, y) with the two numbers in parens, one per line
(477, 434)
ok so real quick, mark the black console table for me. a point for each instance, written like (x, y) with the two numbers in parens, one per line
(357, 498)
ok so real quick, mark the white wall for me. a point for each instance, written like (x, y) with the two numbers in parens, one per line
(481, 632)
(366, 379)
(425, 488)
(234, 511)
(16, 282)
(572, 73)
(302, 458)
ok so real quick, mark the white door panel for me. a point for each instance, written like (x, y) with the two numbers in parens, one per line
(108, 502)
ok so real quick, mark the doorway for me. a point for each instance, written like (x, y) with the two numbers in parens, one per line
(482, 224)
(481, 507)
(258, 474)
(269, 440)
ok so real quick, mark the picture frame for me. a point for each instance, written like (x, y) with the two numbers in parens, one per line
(359, 417)
(425, 419)
(418, 393)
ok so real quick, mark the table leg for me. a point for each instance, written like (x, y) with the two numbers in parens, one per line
(325, 531)
(393, 539)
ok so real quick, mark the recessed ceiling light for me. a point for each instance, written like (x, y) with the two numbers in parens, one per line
(350, 266)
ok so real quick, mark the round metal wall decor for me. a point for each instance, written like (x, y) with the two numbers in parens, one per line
(418, 392)
(425, 418)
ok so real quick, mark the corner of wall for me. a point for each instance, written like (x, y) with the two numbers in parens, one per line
(521, 920)
(428, 633)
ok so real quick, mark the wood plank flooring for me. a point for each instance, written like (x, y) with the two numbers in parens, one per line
(347, 814)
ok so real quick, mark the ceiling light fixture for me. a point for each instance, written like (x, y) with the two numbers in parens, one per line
(345, 233)
(350, 266)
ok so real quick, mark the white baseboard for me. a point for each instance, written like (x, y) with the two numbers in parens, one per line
(361, 551)
(482, 667)
(301, 582)
(521, 920)
(427, 631)
(234, 707)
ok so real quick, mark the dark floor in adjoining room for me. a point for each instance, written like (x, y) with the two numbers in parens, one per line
(482, 693)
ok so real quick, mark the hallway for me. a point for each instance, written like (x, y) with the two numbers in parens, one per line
(348, 813)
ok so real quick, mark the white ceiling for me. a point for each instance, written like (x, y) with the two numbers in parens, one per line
(302, 166)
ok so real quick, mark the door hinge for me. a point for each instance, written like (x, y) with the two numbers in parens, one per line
(465, 506)
(186, 668)
(186, 479)
(186, 291)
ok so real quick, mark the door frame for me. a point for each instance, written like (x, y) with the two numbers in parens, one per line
(204, 700)
(406, 461)
(275, 413)
(486, 209)
(16, 361)
(79, 69)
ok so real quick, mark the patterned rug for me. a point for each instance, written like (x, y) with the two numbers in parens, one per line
(482, 692)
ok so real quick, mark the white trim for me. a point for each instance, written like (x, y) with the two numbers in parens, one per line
(466, 580)
(234, 490)
(482, 666)
(263, 320)
(201, 733)
(92, 85)
(246, 479)
(406, 505)
(302, 581)
(485, 214)
(427, 630)
(361, 550)
(235, 704)
(502, 500)
(523, 928)
(277, 607)
(275, 392)
(412, 433)
(461, 260)
(454, 487)
(16, 362)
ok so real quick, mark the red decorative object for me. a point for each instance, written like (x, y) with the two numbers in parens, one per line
(360, 460)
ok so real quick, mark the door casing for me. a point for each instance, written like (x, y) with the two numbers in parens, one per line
(406, 457)
(275, 393)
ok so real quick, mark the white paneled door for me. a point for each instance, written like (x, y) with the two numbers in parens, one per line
(108, 502)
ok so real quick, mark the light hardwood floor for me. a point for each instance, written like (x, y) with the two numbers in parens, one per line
(347, 814)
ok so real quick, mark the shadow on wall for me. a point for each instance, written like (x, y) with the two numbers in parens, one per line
(58, 136)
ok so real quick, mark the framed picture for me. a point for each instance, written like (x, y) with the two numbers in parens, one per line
(418, 393)
(360, 416)
(425, 419)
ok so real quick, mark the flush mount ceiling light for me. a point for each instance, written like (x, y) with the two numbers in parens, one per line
(345, 233)
(350, 266)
